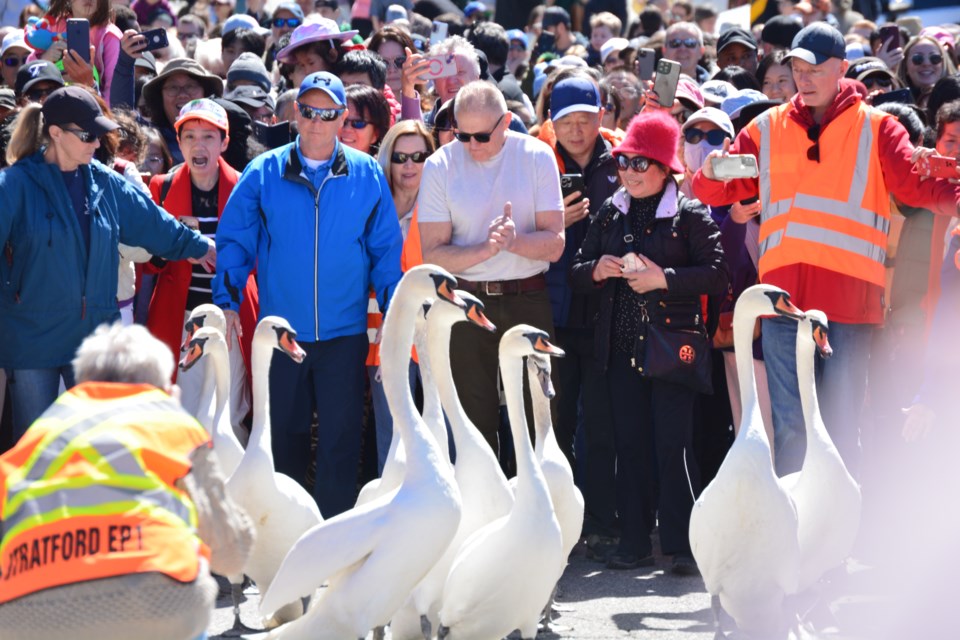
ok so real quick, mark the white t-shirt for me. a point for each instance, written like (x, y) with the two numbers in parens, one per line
(471, 194)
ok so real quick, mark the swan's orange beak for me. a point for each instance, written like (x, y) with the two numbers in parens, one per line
(820, 337)
(445, 289)
(193, 351)
(542, 345)
(289, 345)
(786, 308)
(475, 315)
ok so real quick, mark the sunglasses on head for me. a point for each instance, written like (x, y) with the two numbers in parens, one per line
(397, 62)
(637, 163)
(356, 123)
(813, 135)
(689, 43)
(83, 136)
(326, 115)
(482, 138)
(293, 23)
(14, 61)
(714, 137)
(418, 157)
(880, 81)
(918, 58)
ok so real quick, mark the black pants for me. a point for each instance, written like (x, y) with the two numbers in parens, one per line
(330, 380)
(653, 421)
(583, 398)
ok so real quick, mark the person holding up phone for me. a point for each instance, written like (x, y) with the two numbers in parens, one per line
(824, 219)
(925, 62)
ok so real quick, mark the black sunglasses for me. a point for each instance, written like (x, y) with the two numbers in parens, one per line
(689, 43)
(355, 123)
(637, 163)
(482, 138)
(880, 81)
(36, 95)
(326, 115)
(397, 62)
(918, 58)
(418, 157)
(714, 137)
(813, 135)
(84, 136)
(15, 61)
(293, 23)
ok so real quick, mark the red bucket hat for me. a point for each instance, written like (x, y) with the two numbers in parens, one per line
(654, 135)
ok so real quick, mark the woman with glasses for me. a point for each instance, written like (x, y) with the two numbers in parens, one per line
(367, 121)
(924, 63)
(61, 219)
(653, 253)
(392, 44)
(14, 53)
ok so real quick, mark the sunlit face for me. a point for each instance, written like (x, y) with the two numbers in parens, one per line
(778, 83)
(16, 55)
(231, 53)
(71, 150)
(201, 144)
(641, 185)
(925, 74)
(577, 132)
(361, 139)
(466, 73)
(949, 143)
(818, 84)
(738, 54)
(307, 61)
(278, 32)
(686, 56)
(391, 52)
(600, 34)
(178, 90)
(316, 132)
(406, 176)
(83, 8)
(153, 161)
(484, 121)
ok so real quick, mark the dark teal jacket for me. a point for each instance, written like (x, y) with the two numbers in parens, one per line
(53, 293)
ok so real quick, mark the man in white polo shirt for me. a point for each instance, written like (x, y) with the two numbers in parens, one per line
(491, 213)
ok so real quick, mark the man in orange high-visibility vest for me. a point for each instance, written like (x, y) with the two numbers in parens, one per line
(828, 164)
(112, 506)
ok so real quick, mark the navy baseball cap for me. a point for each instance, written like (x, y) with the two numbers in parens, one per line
(326, 82)
(817, 43)
(574, 94)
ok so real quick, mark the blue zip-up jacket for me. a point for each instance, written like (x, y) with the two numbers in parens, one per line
(53, 292)
(317, 252)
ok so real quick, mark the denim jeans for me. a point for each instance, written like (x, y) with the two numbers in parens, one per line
(841, 388)
(32, 391)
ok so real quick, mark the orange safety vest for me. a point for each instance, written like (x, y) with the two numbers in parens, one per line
(88, 492)
(833, 214)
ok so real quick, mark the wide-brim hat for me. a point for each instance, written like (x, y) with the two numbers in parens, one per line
(654, 135)
(316, 30)
(212, 84)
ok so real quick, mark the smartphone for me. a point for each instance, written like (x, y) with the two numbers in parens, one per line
(665, 84)
(890, 37)
(546, 43)
(742, 166)
(570, 183)
(441, 67)
(632, 262)
(273, 135)
(78, 37)
(156, 39)
(903, 96)
(646, 63)
(438, 33)
(943, 167)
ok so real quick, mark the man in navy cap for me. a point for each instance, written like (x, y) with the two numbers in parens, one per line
(317, 220)
(828, 164)
(737, 46)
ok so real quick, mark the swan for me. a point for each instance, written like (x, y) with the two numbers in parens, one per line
(483, 488)
(208, 341)
(826, 495)
(504, 574)
(566, 497)
(373, 555)
(280, 508)
(743, 527)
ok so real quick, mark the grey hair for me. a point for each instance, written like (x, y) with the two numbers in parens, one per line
(479, 95)
(115, 353)
(686, 26)
(457, 45)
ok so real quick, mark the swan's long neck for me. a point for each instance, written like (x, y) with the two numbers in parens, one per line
(751, 421)
(221, 373)
(531, 485)
(806, 374)
(432, 410)
(260, 437)
(438, 355)
(542, 420)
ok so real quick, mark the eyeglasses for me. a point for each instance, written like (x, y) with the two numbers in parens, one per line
(174, 90)
(397, 62)
(813, 135)
(482, 138)
(689, 43)
(881, 81)
(714, 137)
(354, 122)
(326, 115)
(15, 61)
(918, 59)
(84, 136)
(418, 157)
(280, 23)
(637, 163)
(36, 95)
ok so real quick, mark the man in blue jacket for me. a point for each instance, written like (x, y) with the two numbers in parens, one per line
(317, 220)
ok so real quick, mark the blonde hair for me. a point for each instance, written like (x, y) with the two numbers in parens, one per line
(115, 353)
(608, 20)
(397, 131)
(29, 134)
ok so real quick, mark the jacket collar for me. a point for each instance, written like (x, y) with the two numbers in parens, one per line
(294, 167)
(668, 207)
(94, 175)
(179, 200)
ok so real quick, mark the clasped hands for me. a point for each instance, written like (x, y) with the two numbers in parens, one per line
(502, 231)
(645, 280)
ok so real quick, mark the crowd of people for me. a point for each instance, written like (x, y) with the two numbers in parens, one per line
(295, 158)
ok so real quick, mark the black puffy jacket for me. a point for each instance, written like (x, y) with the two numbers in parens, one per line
(683, 240)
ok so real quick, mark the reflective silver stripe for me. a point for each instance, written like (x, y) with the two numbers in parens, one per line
(763, 124)
(97, 497)
(771, 241)
(847, 210)
(777, 208)
(837, 240)
(117, 455)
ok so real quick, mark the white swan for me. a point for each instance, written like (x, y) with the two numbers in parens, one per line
(208, 341)
(743, 527)
(280, 508)
(483, 488)
(566, 497)
(826, 495)
(373, 555)
(504, 574)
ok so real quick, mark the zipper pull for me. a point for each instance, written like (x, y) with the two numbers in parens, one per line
(633, 362)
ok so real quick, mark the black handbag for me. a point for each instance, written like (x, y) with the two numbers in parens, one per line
(680, 356)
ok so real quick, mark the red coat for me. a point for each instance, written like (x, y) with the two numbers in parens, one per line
(169, 301)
